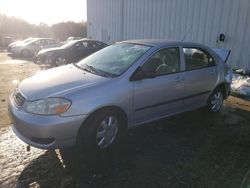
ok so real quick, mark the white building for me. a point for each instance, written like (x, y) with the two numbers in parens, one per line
(189, 20)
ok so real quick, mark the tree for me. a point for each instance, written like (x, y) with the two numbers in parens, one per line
(18, 28)
(64, 30)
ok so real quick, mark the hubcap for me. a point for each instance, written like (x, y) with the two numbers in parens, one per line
(107, 132)
(216, 102)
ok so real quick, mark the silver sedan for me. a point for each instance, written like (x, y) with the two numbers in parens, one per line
(93, 102)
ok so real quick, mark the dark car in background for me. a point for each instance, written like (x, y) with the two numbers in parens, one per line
(68, 53)
(30, 48)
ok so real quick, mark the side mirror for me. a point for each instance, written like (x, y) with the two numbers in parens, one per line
(140, 74)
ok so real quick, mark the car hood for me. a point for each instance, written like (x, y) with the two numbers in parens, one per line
(56, 81)
(13, 43)
(21, 44)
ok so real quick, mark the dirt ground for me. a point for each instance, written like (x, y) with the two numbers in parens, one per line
(12, 71)
(191, 150)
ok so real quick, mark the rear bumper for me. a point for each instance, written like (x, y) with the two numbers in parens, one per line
(46, 132)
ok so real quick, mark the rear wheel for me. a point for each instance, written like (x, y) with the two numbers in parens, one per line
(101, 132)
(216, 101)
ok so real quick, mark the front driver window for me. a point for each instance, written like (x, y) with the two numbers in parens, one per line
(165, 61)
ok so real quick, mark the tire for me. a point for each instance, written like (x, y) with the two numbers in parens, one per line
(215, 102)
(98, 136)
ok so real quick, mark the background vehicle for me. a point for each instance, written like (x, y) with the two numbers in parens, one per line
(30, 48)
(19, 43)
(70, 52)
(92, 103)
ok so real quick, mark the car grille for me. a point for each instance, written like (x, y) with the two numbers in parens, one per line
(18, 98)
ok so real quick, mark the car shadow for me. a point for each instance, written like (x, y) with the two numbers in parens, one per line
(194, 149)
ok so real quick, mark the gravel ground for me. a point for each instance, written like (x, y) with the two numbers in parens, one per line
(194, 149)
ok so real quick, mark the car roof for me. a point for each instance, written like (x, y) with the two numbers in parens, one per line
(162, 42)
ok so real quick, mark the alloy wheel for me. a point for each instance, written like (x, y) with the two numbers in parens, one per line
(216, 101)
(107, 132)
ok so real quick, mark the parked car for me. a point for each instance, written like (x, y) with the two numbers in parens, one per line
(91, 103)
(30, 48)
(20, 42)
(70, 52)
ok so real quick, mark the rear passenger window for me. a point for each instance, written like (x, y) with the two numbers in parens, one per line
(196, 58)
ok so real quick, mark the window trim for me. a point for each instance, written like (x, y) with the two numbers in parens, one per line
(198, 48)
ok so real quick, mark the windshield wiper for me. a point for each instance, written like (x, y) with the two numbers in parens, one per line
(98, 71)
(82, 68)
(93, 70)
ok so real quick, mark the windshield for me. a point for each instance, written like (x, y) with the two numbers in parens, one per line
(114, 59)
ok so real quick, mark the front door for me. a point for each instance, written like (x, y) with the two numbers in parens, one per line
(162, 95)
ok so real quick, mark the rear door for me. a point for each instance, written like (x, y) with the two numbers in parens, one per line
(160, 96)
(201, 74)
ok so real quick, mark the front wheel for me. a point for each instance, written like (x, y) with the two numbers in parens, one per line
(99, 134)
(216, 101)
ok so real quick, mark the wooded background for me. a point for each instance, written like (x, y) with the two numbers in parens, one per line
(20, 29)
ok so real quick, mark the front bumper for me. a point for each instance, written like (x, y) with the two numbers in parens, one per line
(46, 132)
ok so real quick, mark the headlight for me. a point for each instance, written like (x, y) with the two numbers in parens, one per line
(49, 106)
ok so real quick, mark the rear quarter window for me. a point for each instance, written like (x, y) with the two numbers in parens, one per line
(197, 58)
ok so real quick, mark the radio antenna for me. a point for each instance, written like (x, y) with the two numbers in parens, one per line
(186, 33)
